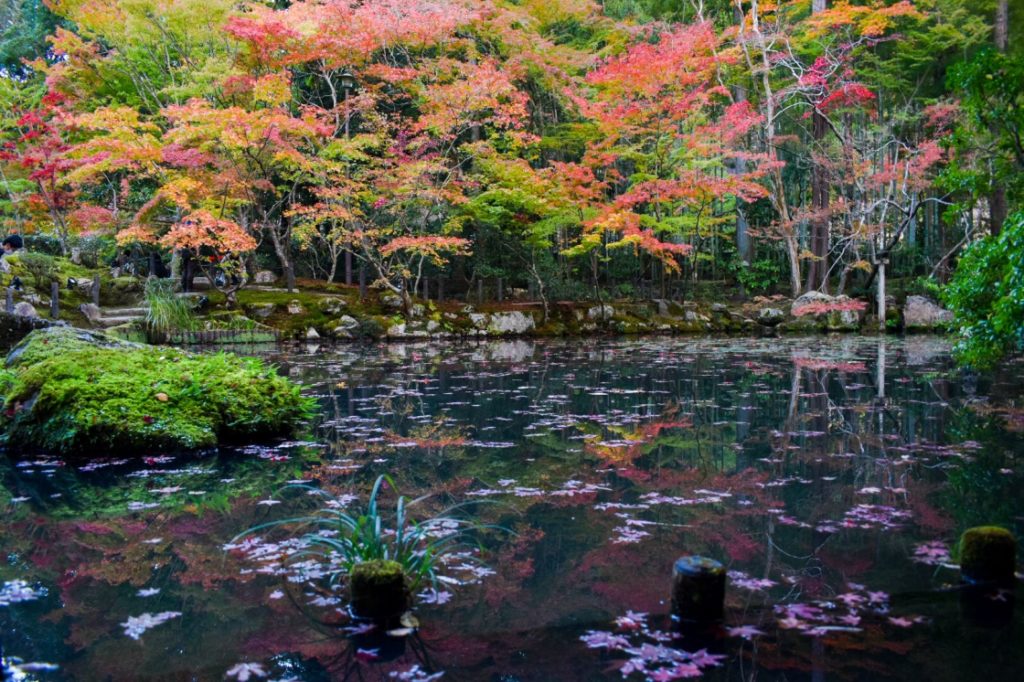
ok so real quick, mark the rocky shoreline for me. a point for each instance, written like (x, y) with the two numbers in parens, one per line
(335, 318)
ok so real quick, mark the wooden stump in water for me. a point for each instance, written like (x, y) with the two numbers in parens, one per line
(698, 589)
(379, 591)
(988, 554)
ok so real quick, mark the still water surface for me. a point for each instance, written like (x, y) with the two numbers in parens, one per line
(831, 476)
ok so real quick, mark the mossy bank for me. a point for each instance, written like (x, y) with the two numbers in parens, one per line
(67, 390)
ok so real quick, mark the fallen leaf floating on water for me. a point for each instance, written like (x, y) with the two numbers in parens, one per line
(135, 626)
(744, 631)
(243, 672)
(16, 591)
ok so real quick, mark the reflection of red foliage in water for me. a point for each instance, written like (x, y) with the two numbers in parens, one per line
(927, 516)
(632, 444)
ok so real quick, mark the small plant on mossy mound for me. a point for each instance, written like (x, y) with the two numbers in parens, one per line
(73, 392)
(349, 539)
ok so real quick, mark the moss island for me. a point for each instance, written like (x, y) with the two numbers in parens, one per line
(68, 390)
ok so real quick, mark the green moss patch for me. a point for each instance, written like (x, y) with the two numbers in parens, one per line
(72, 391)
(988, 554)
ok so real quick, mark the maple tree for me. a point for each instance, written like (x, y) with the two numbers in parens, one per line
(545, 143)
(668, 131)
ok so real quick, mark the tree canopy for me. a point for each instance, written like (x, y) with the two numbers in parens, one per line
(578, 148)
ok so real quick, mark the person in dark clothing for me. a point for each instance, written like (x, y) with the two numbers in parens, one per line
(12, 243)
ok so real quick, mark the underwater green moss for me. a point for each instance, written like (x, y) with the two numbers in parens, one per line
(76, 392)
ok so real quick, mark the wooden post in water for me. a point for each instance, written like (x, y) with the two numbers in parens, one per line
(698, 590)
(988, 558)
(96, 291)
(54, 300)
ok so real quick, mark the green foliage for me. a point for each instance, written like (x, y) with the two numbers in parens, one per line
(986, 295)
(924, 286)
(41, 267)
(79, 393)
(166, 312)
(991, 88)
(761, 276)
(376, 534)
(94, 251)
(24, 26)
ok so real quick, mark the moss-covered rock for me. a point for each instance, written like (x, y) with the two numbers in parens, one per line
(988, 554)
(379, 590)
(73, 391)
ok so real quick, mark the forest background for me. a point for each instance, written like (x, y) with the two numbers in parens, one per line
(566, 148)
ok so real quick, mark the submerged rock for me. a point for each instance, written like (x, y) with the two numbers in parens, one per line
(75, 391)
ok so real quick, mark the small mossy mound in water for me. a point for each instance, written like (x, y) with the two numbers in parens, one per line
(988, 554)
(379, 590)
(68, 390)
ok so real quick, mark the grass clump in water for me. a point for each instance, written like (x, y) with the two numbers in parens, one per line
(381, 537)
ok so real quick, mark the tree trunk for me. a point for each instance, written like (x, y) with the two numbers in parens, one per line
(793, 251)
(997, 208)
(1002, 28)
(282, 240)
(817, 271)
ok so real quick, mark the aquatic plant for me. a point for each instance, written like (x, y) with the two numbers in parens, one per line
(420, 547)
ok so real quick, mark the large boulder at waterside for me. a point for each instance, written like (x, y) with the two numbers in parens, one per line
(511, 323)
(922, 314)
(831, 313)
(72, 391)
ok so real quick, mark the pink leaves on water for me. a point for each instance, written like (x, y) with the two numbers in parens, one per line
(843, 613)
(745, 582)
(648, 654)
(744, 631)
(933, 553)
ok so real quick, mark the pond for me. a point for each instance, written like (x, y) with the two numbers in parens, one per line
(830, 475)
